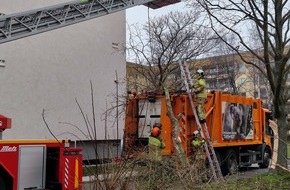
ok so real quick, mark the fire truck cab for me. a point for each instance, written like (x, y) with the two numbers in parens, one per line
(40, 164)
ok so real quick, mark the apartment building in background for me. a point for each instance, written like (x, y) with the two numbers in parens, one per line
(230, 74)
(226, 73)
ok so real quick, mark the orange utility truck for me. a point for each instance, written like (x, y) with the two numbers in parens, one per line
(238, 126)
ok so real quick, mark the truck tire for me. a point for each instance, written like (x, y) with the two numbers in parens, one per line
(266, 159)
(220, 162)
(231, 163)
(2, 183)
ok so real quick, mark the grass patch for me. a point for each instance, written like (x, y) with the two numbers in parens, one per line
(91, 170)
(106, 168)
(100, 169)
(268, 181)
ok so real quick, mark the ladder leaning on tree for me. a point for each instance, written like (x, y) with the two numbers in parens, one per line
(210, 153)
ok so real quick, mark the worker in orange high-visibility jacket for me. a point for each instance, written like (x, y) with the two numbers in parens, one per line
(155, 145)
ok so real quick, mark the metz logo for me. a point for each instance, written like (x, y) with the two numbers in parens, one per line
(8, 149)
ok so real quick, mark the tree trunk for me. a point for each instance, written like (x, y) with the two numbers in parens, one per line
(281, 116)
(274, 127)
(175, 132)
(282, 150)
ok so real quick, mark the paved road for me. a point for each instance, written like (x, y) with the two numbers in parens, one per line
(252, 170)
(248, 172)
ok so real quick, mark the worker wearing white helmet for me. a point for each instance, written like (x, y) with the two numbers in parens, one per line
(199, 157)
(200, 93)
(197, 141)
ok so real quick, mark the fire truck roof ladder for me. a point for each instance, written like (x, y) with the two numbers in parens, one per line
(212, 158)
(23, 24)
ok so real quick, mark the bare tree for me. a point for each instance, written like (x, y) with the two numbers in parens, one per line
(260, 85)
(112, 173)
(168, 40)
(230, 65)
(272, 23)
(164, 41)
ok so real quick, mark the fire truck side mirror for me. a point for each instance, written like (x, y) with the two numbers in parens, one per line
(5, 123)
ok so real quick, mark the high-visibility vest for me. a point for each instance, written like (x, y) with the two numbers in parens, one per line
(200, 88)
(198, 143)
(155, 147)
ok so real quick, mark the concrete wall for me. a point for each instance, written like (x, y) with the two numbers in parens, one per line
(49, 71)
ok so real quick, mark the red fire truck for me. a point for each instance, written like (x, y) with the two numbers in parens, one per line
(38, 164)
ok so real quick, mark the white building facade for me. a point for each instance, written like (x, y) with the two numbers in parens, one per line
(46, 74)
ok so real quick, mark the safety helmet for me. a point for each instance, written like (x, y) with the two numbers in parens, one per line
(155, 131)
(196, 132)
(199, 71)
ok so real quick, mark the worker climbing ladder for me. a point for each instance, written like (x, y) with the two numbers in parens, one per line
(212, 158)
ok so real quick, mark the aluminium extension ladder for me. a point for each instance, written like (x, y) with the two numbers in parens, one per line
(212, 158)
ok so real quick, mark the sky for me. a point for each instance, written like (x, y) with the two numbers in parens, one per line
(140, 13)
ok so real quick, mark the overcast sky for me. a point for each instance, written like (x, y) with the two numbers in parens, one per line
(139, 14)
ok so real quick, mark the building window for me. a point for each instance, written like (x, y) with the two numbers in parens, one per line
(243, 80)
(2, 63)
(242, 67)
